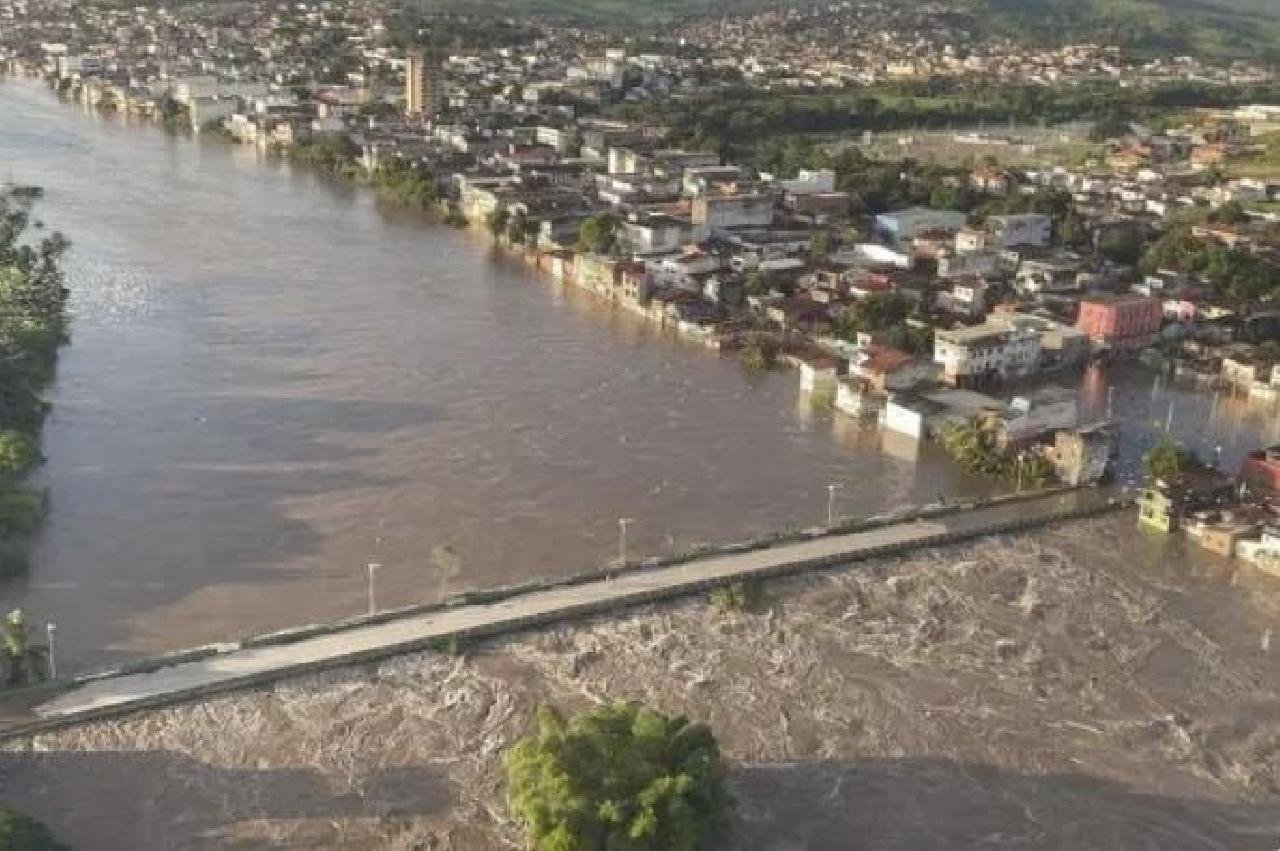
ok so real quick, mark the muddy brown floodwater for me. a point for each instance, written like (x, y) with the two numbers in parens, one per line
(273, 381)
(1087, 687)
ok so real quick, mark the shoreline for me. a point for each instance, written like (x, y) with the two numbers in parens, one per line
(37, 309)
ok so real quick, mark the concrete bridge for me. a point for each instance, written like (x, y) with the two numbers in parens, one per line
(254, 662)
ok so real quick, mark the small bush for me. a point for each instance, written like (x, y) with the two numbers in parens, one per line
(448, 646)
(744, 596)
(759, 354)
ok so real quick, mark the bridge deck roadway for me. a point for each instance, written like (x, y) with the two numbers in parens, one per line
(254, 665)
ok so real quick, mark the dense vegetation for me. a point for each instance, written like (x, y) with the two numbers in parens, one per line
(885, 316)
(405, 183)
(1166, 460)
(1235, 273)
(32, 326)
(599, 235)
(22, 661)
(973, 445)
(330, 153)
(619, 776)
(19, 832)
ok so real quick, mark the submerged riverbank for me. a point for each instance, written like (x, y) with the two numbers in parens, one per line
(32, 328)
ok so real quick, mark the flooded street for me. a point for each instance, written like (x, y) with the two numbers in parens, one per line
(272, 382)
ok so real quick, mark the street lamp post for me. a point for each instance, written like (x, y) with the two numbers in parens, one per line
(623, 522)
(372, 568)
(50, 630)
(831, 503)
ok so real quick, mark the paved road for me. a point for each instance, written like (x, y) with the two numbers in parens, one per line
(262, 664)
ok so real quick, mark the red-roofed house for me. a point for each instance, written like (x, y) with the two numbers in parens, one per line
(1260, 470)
(886, 368)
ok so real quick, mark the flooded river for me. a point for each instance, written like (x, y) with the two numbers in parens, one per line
(273, 382)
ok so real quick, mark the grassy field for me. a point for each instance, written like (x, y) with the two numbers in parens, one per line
(1265, 165)
(1065, 146)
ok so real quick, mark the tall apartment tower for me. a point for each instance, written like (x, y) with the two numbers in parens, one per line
(419, 84)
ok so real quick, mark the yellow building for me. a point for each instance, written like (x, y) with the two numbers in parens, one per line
(419, 84)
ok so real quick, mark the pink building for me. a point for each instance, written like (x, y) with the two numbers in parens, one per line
(1123, 321)
(1261, 469)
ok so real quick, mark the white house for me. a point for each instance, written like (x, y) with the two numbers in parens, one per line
(750, 209)
(904, 225)
(810, 182)
(992, 350)
(1263, 553)
(1047, 410)
(1023, 229)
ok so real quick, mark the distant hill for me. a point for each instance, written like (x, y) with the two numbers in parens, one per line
(1218, 29)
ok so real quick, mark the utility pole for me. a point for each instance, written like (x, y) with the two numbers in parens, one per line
(831, 503)
(1111, 393)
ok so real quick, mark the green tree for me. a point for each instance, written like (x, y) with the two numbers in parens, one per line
(1120, 245)
(759, 354)
(599, 234)
(1230, 213)
(496, 221)
(21, 662)
(18, 453)
(820, 244)
(32, 326)
(757, 283)
(1164, 461)
(619, 776)
(876, 313)
(20, 832)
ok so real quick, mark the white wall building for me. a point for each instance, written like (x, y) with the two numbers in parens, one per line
(991, 351)
(730, 211)
(1023, 229)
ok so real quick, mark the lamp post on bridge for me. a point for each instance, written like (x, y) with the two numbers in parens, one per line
(50, 631)
(623, 522)
(372, 568)
(831, 503)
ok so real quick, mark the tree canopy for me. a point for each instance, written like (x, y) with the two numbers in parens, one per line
(1166, 461)
(32, 326)
(599, 234)
(19, 832)
(1234, 272)
(619, 777)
